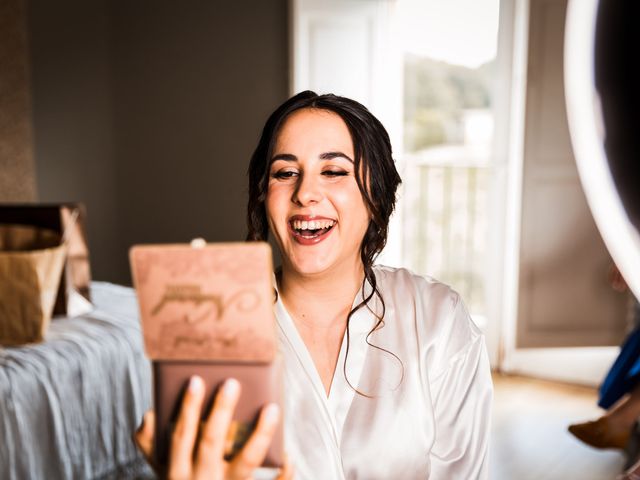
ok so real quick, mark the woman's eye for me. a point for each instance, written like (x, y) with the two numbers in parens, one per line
(284, 174)
(335, 173)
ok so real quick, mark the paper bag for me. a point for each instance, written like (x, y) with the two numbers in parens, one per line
(73, 294)
(31, 263)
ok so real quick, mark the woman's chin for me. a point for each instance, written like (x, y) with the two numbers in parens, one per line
(311, 267)
(310, 270)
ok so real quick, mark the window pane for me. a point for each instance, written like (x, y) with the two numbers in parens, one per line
(448, 133)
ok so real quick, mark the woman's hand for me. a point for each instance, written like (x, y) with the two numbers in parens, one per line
(206, 460)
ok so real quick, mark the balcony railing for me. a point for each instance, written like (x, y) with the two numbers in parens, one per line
(445, 225)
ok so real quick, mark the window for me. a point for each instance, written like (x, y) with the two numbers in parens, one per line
(449, 50)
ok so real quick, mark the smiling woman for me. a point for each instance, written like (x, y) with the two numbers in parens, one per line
(315, 208)
(385, 374)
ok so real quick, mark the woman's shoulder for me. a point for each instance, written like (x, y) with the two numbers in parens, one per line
(436, 310)
(419, 287)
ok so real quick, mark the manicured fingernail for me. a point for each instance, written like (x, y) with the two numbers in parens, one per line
(272, 412)
(230, 387)
(196, 384)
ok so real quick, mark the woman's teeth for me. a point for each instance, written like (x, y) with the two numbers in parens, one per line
(312, 225)
(313, 228)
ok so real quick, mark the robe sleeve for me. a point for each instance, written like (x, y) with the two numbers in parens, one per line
(461, 394)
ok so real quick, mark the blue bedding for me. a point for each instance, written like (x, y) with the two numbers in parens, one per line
(69, 406)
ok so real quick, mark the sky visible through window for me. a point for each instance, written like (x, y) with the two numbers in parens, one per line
(460, 32)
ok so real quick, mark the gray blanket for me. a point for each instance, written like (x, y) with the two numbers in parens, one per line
(69, 406)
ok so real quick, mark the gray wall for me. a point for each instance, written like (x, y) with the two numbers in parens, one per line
(73, 117)
(148, 112)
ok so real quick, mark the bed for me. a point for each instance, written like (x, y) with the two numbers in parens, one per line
(69, 406)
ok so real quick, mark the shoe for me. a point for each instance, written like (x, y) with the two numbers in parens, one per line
(601, 434)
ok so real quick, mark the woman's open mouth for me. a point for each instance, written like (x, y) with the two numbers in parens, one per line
(309, 232)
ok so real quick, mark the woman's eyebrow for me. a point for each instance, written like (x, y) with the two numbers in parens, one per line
(332, 155)
(323, 156)
(284, 156)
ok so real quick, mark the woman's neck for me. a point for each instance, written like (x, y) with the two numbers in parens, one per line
(317, 299)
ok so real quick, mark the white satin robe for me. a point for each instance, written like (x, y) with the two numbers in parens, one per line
(426, 413)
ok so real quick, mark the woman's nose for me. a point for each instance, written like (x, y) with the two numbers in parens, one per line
(308, 191)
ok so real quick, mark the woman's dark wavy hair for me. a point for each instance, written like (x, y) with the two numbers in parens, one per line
(375, 174)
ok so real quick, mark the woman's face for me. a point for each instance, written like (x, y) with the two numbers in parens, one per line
(314, 207)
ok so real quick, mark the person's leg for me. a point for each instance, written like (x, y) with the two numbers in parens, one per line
(625, 413)
(613, 429)
(632, 473)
